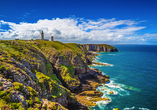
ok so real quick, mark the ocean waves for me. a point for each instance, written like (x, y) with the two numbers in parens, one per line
(132, 79)
(135, 108)
(111, 54)
(113, 88)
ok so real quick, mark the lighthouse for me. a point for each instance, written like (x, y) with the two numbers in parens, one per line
(42, 35)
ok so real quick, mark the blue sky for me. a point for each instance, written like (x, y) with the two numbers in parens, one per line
(81, 21)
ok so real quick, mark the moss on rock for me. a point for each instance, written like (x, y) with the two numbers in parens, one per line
(18, 86)
(32, 91)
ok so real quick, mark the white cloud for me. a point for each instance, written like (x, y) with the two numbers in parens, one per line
(76, 30)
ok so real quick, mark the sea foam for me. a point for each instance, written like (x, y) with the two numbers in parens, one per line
(102, 104)
(111, 54)
(135, 108)
(116, 89)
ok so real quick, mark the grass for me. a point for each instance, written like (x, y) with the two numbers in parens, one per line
(67, 75)
(37, 100)
(32, 91)
(45, 81)
(2, 68)
(18, 86)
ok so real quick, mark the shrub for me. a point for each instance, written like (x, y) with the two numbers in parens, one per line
(5, 95)
(15, 105)
(37, 100)
(18, 86)
(30, 102)
(2, 68)
(32, 91)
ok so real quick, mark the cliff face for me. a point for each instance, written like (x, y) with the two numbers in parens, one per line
(44, 74)
(100, 48)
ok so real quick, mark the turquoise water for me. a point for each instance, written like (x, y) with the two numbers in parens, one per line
(133, 78)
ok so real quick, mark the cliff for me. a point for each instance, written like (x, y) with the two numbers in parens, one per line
(45, 75)
(100, 47)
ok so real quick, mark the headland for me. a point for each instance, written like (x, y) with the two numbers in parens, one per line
(38, 74)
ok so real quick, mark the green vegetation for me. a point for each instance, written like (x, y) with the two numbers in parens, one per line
(18, 86)
(66, 73)
(48, 68)
(53, 77)
(6, 102)
(15, 105)
(37, 100)
(51, 85)
(30, 102)
(5, 95)
(4, 105)
(32, 91)
(1, 68)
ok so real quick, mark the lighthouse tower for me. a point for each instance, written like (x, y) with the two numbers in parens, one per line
(42, 35)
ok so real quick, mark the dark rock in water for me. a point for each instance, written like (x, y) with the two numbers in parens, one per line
(93, 74)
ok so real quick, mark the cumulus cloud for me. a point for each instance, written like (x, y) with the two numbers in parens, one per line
(76, 30)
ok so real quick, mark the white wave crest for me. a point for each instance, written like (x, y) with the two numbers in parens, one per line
(97, 58)
(129, 108)
(135, 108)
(143, 109)
(102, 104)
(113, 89)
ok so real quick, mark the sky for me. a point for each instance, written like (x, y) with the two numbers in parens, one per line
(80, 21)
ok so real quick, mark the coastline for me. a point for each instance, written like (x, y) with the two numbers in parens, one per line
(115, 90)
(92, 97)
(95, 62)
(52, 75)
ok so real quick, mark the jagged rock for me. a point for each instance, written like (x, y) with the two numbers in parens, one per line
(26, 64)
(111, 92)
(26, 91)
(6, 84)
(16, 97)
(79, 64)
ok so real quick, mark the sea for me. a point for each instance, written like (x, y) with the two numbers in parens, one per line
(133, 78)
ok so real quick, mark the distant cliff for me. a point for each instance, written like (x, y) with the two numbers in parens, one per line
(100, 48)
